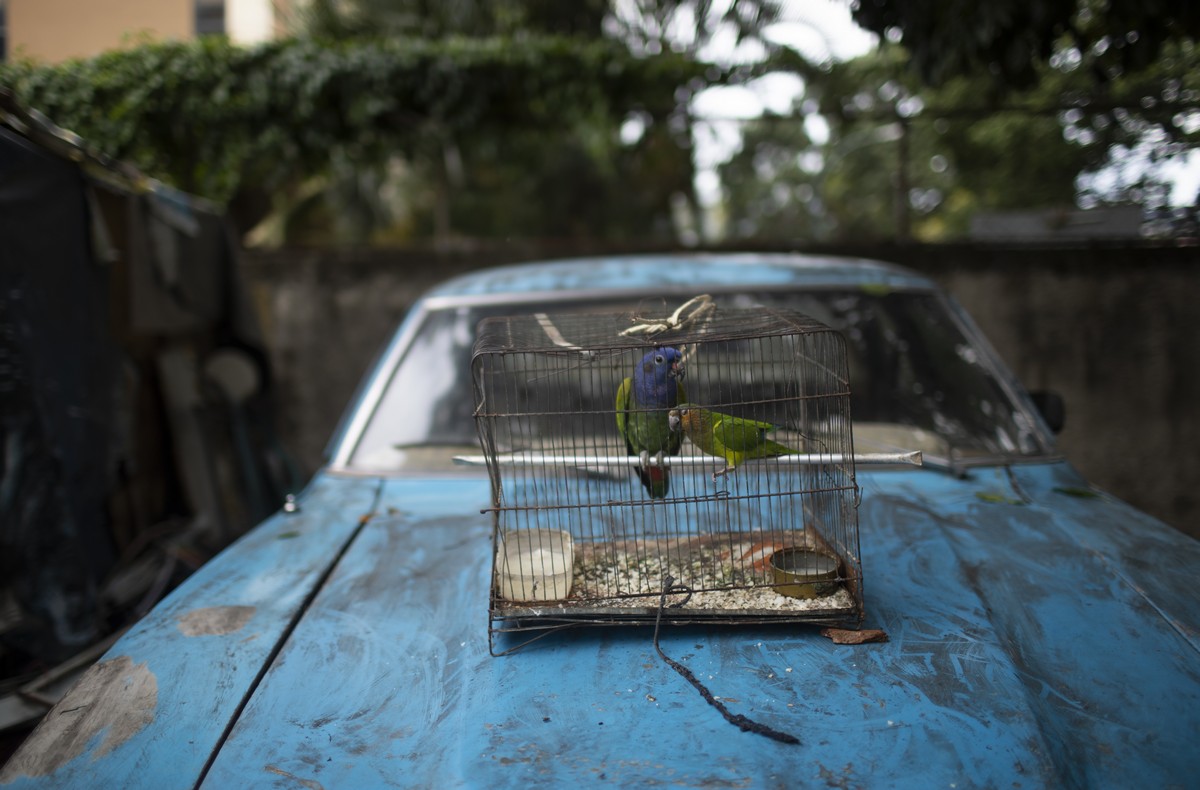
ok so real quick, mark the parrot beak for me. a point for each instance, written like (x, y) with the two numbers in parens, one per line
(673, 419)
(677, 371)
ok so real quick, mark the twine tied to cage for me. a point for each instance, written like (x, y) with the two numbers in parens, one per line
(743, 723)
(694, 309)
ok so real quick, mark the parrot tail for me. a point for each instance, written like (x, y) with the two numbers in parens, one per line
(655, 479)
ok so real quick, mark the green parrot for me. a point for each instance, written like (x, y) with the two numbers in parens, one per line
(643, 400)
(735, 439)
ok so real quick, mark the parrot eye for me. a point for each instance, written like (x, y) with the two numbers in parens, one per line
(659, 359)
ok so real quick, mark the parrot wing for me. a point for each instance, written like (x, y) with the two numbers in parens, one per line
(721, 439)
(623, 397)
(646, 431)
(769, 449)
(746, 438)
(738, 433)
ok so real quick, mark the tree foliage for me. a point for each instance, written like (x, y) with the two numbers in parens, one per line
(1010, 40)
(917, 150)
(599, 179)
(219, 120)
(901, 159)
(402, 119)
(1120, 77)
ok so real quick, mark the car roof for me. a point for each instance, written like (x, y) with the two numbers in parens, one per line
(675, 272)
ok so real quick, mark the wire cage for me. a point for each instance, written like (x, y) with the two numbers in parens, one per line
(711, 456)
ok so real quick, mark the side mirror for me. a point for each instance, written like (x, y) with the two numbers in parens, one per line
(1052, 408)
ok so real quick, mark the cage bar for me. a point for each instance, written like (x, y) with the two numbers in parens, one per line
(580, 539)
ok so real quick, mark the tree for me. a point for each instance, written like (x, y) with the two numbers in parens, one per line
(1012, 40)
(1127, 73)
(402, 119)
(581, 177)
(228, 123)
(901, 160)
(924, 133)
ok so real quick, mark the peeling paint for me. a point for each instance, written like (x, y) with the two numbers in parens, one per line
(215, 620)
(309, 783)
(115, 699)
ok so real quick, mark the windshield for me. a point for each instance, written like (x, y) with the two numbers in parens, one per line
(918, 382)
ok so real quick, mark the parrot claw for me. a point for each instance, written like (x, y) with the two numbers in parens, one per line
(722, 472)
(658, 459)
(644, 458)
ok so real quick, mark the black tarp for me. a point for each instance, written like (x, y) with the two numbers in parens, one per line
(57, 365)
(135, 400)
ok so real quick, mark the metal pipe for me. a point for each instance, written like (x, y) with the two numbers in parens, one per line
(527, 459)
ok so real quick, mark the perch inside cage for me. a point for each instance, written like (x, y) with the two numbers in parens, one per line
(716, 453)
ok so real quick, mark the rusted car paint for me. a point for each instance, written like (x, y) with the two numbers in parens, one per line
(215, 620)
(113, 701)
(201, 680)
(1028, 643)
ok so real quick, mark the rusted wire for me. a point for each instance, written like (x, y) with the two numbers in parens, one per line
(743, 723)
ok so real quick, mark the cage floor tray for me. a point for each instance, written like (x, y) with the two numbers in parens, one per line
(729, 577)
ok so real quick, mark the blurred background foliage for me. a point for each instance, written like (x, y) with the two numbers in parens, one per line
(402, 121)
(341, 139)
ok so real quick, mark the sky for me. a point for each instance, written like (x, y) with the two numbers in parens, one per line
(819, 29)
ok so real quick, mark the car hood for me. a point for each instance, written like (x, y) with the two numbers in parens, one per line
(1039, 633)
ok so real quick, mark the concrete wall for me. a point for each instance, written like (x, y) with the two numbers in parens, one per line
(1113, 329)
(1117, 334)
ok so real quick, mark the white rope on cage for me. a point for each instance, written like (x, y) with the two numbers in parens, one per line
(694, 309)
(698, 308)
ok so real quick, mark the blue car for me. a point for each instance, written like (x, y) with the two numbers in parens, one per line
(1013, 626)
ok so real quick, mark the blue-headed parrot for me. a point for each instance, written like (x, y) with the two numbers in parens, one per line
(643, 401)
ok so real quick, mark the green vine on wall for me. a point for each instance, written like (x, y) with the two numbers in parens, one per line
(212, 118)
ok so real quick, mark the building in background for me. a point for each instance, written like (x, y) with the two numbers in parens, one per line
(58, 30)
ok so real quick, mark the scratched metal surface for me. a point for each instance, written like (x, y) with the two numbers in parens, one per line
(153, 709)
(1038, 638)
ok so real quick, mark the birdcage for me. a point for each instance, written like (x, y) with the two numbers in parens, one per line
(697, 470)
